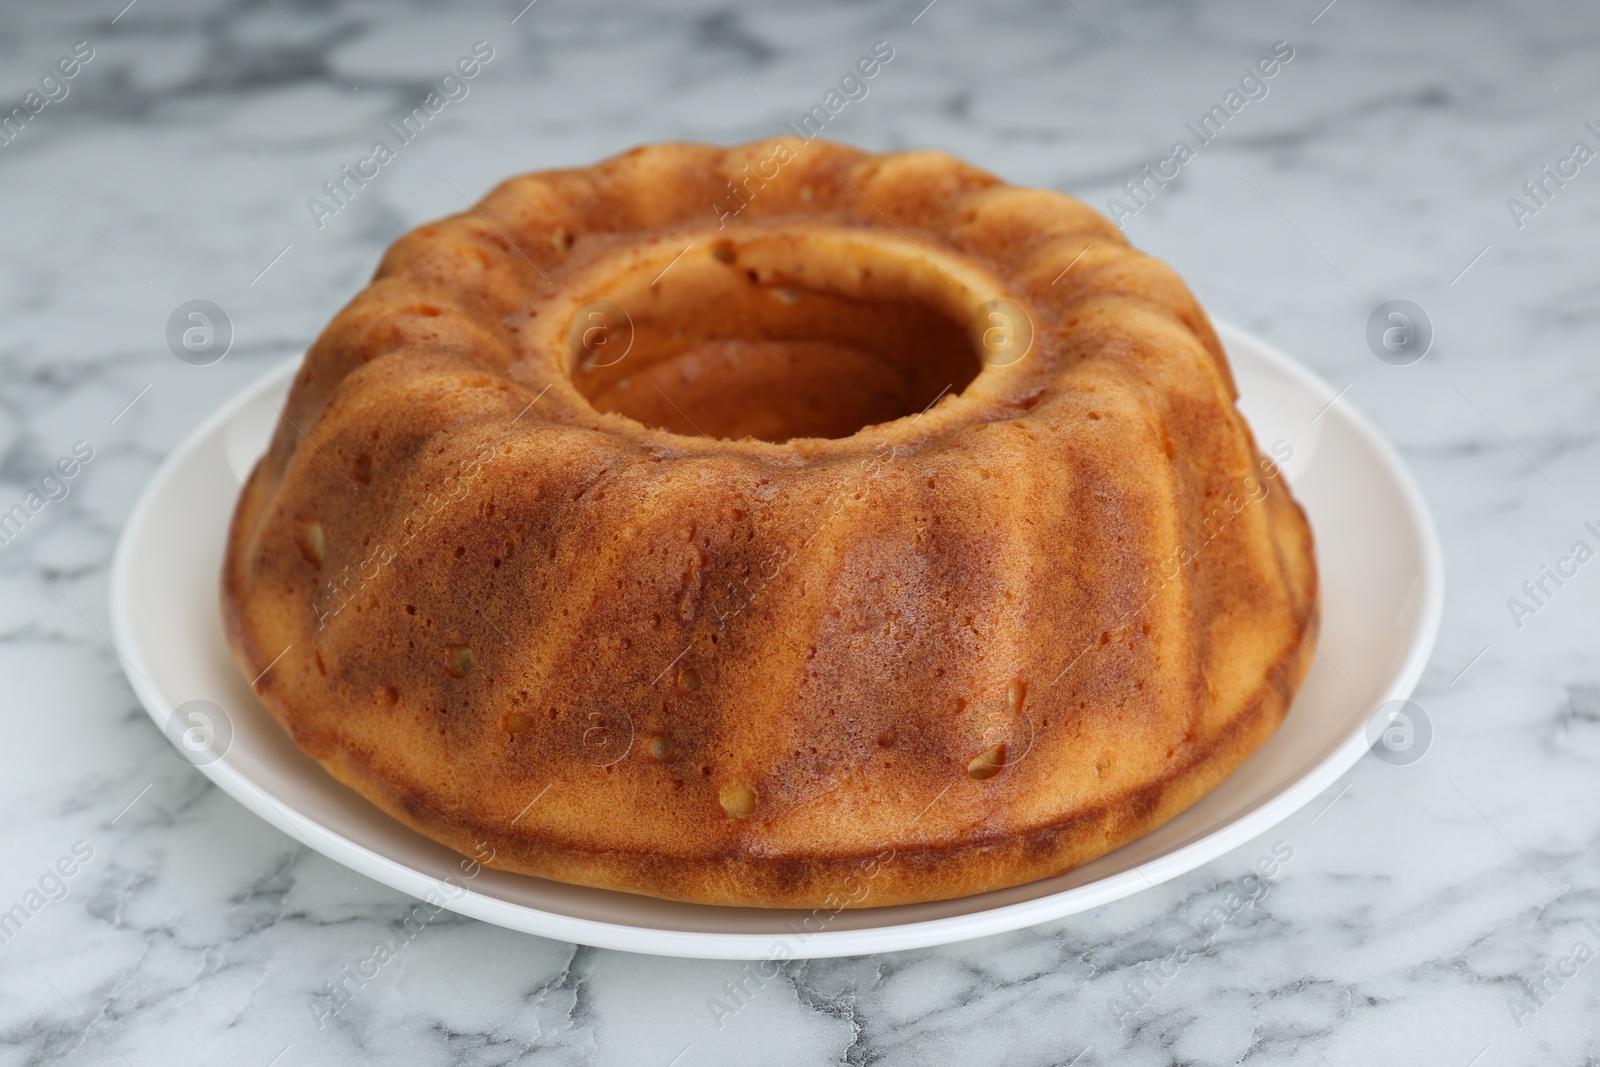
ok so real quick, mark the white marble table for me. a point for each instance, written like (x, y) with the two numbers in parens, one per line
(1429, 913)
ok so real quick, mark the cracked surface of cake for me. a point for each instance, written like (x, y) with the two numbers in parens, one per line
(783, 525)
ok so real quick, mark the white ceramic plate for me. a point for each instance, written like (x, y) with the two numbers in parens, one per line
(1383, 589)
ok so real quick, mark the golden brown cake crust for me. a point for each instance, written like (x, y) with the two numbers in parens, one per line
(688, 525)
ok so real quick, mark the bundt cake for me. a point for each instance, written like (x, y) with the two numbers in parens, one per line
(781, 525)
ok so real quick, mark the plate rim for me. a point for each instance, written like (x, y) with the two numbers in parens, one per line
(701, 944)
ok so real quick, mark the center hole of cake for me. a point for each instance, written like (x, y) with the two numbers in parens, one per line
(774, 338)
